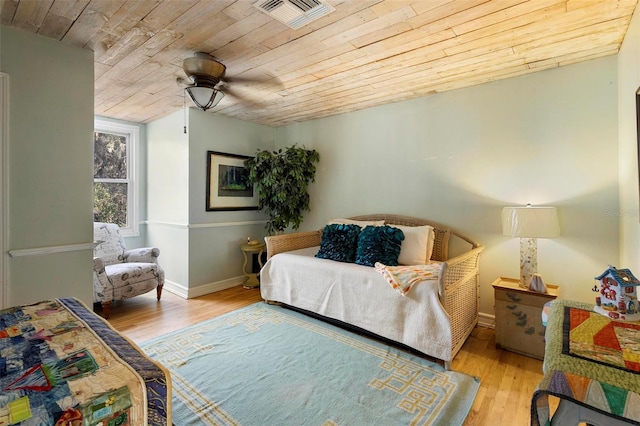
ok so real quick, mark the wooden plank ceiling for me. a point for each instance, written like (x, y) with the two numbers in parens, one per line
(365, 53)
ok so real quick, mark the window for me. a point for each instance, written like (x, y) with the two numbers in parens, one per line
(115, 192)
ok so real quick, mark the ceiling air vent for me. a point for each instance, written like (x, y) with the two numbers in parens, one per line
(294, 13)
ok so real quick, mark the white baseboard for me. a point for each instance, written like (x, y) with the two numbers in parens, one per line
(486, 320)
(175, 288)
(189, 293)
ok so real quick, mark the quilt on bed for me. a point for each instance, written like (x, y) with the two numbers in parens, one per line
(591, 360)
(59, 362)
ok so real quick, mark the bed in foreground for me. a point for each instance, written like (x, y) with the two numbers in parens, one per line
(591, 363)
(61, 364)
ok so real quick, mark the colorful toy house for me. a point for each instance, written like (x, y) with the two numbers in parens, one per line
(618, 298)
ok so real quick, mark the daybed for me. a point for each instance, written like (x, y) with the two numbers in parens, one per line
(435, 317)
(62, 364)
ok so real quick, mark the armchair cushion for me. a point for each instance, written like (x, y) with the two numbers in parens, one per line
(131, 279)
(128, 274)
(146, 254)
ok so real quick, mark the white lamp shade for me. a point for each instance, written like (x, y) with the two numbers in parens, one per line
(530, 222)
(204, 97)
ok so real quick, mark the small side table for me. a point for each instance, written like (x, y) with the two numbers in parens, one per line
(519, 317)
(252, 279)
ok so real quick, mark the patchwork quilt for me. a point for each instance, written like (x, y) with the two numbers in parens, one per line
(591, 360)
(60, 364)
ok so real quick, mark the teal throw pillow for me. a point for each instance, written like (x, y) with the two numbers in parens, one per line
(339, 242)
(379, 244)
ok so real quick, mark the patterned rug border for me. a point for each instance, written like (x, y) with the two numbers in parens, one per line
(423, 389)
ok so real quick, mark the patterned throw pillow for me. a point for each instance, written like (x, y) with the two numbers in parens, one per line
(339, 242)
(379, 244)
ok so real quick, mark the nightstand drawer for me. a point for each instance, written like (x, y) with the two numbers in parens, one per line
(519, 317)
(529, 299)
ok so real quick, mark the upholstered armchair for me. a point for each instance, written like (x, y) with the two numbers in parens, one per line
(119, 273)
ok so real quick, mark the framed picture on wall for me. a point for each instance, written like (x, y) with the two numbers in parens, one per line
(227, 183)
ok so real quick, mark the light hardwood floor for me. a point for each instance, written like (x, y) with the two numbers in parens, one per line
(507, 380)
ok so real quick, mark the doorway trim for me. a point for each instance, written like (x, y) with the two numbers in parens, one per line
(4, 189)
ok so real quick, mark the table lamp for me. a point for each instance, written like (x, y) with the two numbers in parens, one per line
(529, 223)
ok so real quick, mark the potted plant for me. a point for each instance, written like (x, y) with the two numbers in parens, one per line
(281, 178)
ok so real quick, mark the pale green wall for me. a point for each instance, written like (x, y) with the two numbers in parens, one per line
(199, 248)
(50, 154)
(548, 138)
(168, 195)
(211, 132)
(629, 83)
(215, 237)
(457, 157)
(167, 170)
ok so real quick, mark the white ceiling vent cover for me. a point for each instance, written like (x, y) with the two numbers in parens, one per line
(294, 13)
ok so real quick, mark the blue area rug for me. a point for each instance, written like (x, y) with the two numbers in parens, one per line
(267, 365)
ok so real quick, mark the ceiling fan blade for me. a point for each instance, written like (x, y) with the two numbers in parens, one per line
(264, 81)
(249, 102)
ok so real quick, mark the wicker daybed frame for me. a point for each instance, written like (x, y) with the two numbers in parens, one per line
(458, 283)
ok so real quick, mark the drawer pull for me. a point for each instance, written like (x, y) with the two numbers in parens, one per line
(513, 296)
(523, 320)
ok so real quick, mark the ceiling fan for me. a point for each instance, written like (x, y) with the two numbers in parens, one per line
(206, 81)
(204, 72)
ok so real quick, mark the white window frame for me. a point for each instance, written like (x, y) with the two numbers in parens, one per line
(132, 135)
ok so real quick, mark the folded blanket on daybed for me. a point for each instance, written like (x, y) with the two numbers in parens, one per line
(402, 277)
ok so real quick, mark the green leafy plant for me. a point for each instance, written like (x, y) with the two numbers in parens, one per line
(281, 178)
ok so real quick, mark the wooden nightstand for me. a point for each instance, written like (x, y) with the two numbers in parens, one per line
(252, 279)
(519, 317)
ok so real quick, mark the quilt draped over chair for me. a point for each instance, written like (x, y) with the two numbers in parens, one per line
(119, 273)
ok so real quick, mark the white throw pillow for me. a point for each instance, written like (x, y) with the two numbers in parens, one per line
(360, 223)
(417, 245)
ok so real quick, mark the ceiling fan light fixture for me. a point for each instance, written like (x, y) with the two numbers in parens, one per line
(203, 64)
(204, 97)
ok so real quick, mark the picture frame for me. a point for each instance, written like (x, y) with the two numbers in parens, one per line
(227, 187)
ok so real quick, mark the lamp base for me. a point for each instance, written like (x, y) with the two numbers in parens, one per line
(528, 260)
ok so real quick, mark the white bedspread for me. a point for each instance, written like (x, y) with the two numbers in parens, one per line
(360, 296)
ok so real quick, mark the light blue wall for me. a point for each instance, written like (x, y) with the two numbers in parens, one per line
(50, 173)
(548, 138)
